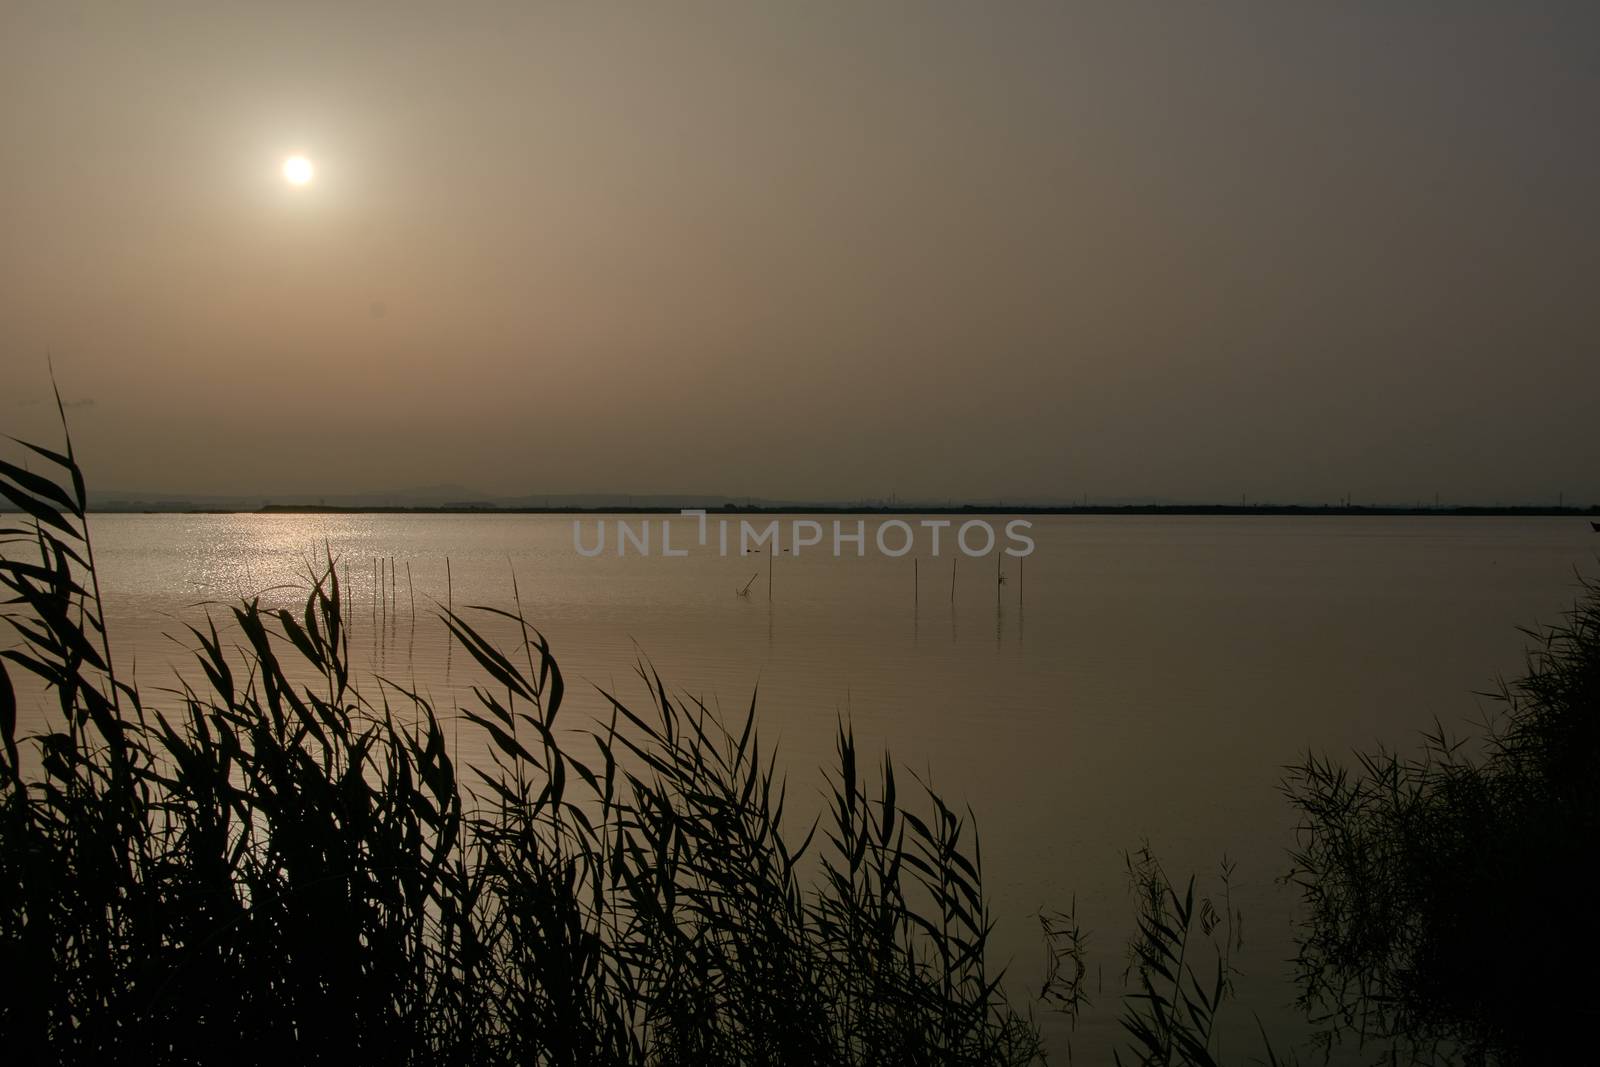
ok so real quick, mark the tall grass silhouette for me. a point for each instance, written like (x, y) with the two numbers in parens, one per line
(1446, 892)
(282, 863)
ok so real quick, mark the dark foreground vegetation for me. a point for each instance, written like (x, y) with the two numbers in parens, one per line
(1450, 893)
(286, 866)
(276, 870)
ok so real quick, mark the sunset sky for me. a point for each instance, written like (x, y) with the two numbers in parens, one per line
(806, 250)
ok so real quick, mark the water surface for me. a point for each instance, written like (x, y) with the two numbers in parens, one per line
(1142, 678)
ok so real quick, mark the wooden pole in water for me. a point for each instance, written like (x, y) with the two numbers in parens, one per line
(411, 590)
(952, 579)
(770, 555)
(916, 583)
(449, 608)
(380, 615)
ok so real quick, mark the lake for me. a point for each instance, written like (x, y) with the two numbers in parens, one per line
(1141, 678)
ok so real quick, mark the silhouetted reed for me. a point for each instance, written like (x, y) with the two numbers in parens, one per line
(267, 868)
(1445, 892)
(283, 862)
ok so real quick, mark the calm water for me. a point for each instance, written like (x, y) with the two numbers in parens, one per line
(1147, 678)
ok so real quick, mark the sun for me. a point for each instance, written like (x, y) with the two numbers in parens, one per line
(297, 170)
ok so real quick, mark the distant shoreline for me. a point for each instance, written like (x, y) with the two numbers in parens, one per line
(1463, 511)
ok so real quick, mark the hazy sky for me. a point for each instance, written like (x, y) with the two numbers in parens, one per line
(1288, 250)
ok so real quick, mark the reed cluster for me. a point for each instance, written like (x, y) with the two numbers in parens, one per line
(284, 864)
(281, 862)
(1445, 904)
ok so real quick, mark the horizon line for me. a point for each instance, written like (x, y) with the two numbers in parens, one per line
(728, 508)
